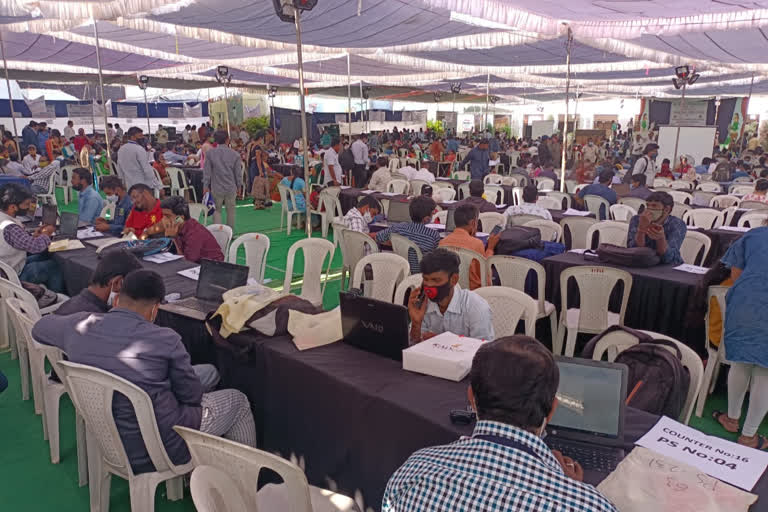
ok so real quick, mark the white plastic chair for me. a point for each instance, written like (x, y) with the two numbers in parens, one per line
(493, 179)
(681, 196)
(440, 217)
(91, 391)
(313, 285)
(416, 186)
(159, 180)
(387, 270)
(461, 175)
(513, 272)
(223, 235)
(753, 219)
(704, 218)
(661, 182)
(213, 491)
(405, 286)
(466, 257)
(550, 203)
(611, 346)
(494, 194)
(753, 205)
(560, 196)
(743, 179)
(328, 208)
(394, 163)
(715, 356)
(49, 197)
(741, 190)
(242, 465)
(517, 195)
(679, 209)
(489, 220)
(354, 246)
(179, 184)
(289, 207)
(595, 284)
(545, 183)
(508, 307)
(594, 204)
(622, 212)
(403, 246)
(462, 190)
(63, 181)
(633, 202)
(398, 187)
(693, 243)
(511, 181)
(608, 232)
(572, 185)
(256, 246)
(681, 185)
(724, 201)
(577, 228)
(578, 188)
(445, 194)
(196, 210)
(550, 231)
(709, 187)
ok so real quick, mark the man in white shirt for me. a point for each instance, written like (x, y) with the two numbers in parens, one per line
(244, 136)
(646, 164)
(332, 173)
(69, 130)
(381, 178)
(529, 206)
(408, 171)
(360, 153)
(590, 152)
(424, 174)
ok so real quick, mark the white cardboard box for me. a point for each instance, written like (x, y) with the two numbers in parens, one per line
(447, 356)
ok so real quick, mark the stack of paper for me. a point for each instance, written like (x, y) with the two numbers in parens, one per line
(65, 245)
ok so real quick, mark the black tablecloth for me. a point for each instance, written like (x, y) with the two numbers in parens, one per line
(661, 299)
(721, 241)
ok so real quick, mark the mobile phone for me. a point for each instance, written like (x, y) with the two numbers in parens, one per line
(496, 229)
(420, 299)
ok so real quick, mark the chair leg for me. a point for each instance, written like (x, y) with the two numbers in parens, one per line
(289, 216)
(24, 371)
(715, 374)
(704, 392)
(557, 340)
(35, 372)
(570, 345)
(100, 479)
(142, 491)
(82, 451)
(553, 327)
(174, 488)
(52, 397)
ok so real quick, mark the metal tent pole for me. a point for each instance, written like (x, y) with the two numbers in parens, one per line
(487, 95)
(305, 138)
(349, 99)
(749, 99)
(362, 110)
(563, 155)
(226, 111)
(677, 135)
(146, 106)
(10, 98)
(101, 91)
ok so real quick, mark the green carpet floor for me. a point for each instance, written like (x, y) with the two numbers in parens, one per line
(31, 483)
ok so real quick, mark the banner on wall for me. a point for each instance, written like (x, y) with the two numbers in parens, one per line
(735, 122)
(129, 111)
(196, 111)
(80, 111)
(643, 124)
(692, 113)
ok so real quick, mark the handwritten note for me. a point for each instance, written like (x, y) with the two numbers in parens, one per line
(727, 461)
(646, 480)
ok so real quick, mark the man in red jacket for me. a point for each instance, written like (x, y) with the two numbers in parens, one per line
(146, 214)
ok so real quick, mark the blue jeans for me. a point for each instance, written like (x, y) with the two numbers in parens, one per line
(41, 269)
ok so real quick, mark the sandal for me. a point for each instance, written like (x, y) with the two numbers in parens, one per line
(762, 442)
(718, 417)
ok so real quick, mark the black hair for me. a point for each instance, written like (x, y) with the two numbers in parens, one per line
(115, 263)
(370, 202)
(335, 141)
(111, 181)
(421, 207)
(440, 260)
(465, 214)
(382, 161)
(139, 187)
(177, 204)
(530, 193)
(650, 147)
(84, 174)
(605, 176)
(639, 179)
(133, 131)
(476, 188)
(706, 160)
(13, 193)
(665, 161)
(170, 146)
(144, 286)
(55, 133)
(220, 137)
(761, 184)
(660, 197)
(522, 398)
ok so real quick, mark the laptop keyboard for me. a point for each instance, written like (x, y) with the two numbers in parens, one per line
(591, 457)
(196, 304)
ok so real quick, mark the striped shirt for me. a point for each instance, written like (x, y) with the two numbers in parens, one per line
(426, 238)
(476, 474)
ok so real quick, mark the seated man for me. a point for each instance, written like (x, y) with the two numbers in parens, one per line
(449, 308)
(172, 157)
(115, 190)
(760, 193)
(416, 231)
(603, 189)
(127, 343)
(381, 177)
(89, 202)
(476, 191)
(15, 242)
(504, 465)
(529, 206)
(658, 229)
(466, 220)
(424, 174)
(639, 188)
(145, 217)
(192, 239)
(41, 176)
(358, 218)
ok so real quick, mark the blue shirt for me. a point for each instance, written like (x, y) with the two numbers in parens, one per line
(174, 158)
(702, 169)
(494, 145)
(674, 231)
(426, 238)
(122, 210)
(452, 145)
(42, 138)
(89, 204)
(478, 160)
(598, 189)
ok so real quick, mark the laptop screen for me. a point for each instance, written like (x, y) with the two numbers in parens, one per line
(450, 221)
(399, 212)
(217, 277)
(69, 223)
(590, 397)
(50, 215)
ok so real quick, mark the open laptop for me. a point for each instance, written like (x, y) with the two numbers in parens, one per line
(374, 326)
(215, 278)
(49, 217)
(399, 212)
(588, 424)
(450, 222)
(68, 227)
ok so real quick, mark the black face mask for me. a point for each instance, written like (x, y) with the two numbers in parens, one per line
(78, 187)
(22, 212)
(438, 293)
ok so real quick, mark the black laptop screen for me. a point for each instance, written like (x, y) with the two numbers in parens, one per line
(217, 277)
(399, 212)
(69, 223)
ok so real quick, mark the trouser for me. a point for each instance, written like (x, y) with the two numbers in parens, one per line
(741, 377)
(227, 201)
(253, 172)
(359, 175)
(260, 191)
(208, 375)
(227, 413)
(41, 269)
(3, 382)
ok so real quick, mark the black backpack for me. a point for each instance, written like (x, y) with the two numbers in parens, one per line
(627, 256)
(518, 238)
(722, 172)
(346, 160)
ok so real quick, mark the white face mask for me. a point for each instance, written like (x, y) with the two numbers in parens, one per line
(543, 430)
(112, 198)
(111, 299)
(367, 217)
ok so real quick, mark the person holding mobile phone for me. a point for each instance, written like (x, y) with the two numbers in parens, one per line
(191, 239)
(466, 218)
(658, 229)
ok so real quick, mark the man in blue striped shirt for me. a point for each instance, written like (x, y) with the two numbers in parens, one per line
(421, 210)
(504, 465)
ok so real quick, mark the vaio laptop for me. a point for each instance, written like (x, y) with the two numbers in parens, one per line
(399, 212)
(588, 424)
(374, 326)
(215, 278)
(68, 227)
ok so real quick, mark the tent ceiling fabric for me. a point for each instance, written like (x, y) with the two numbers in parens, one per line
(621, 47)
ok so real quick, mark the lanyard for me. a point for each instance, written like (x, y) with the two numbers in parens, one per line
(510, 443)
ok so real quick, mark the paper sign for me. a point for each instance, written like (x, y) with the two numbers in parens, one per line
(693, 269)
(162, 257)
(724, 460)
(190, 273)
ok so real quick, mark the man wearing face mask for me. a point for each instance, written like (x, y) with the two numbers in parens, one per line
(126, 342)
(191, 239)
(646, 164)
(359, 217)
(590, 152)
(658, 229)
(117, 195)
(133, 162)
(504, 464)
(89, 202)
(441, 305)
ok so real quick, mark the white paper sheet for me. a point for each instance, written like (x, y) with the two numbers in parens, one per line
(190, 273)
(65, 245)
(579, 251)
(438, 227)
(734, 228)
(571, 211)
(450, 201)
(730, 462)
(89, 232)
(162, 257)
(366, 192)
(389, 194)
(693, 269)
